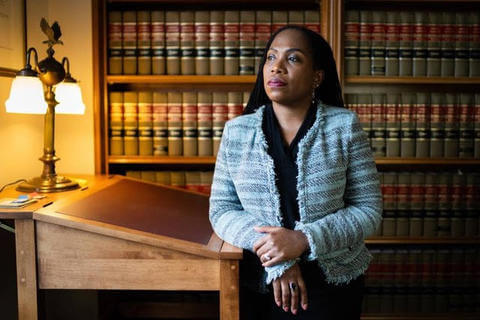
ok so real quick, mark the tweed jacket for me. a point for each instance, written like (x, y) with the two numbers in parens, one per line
(339, 198)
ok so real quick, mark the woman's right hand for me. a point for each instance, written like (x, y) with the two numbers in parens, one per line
(290, 289)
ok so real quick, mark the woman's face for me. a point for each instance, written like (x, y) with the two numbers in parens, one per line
(288, 74)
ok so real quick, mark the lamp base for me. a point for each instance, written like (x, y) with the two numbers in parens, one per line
(39, 184)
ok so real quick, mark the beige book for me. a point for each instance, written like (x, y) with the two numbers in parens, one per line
(204, 115)
(190, 131)
(192, 180)
(115, 51)
(187, 41)
(148, 176)
(295, 17)
(177, 179)
(172, 36)
(160, 124)
(312, 20)
(279, 20)
(145, 123)
(217, 50)
(263, 24)
(158, 42)
(247, 42)
(232, 42)
(162, 177)
(235, 104)
(129, 36)
(144, 33)
(130, 103)
(220, 116)
(134, 174)
(202, 35)
(175, 145)
(116, 123)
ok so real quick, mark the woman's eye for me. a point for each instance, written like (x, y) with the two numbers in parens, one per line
(293, 58)
(270, 57)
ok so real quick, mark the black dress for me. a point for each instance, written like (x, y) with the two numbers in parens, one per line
(325, 301)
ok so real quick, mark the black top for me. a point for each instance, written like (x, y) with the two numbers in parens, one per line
(284, 157)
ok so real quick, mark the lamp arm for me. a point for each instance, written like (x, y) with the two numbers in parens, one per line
(67, 62)
(29, 51)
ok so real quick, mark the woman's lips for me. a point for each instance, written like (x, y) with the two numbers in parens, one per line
(275, 83)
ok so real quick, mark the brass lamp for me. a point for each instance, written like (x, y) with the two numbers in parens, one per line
(34, 90)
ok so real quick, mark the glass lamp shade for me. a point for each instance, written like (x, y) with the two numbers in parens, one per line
(26, 96)
(69, 97)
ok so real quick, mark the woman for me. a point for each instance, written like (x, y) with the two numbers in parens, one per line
(296, 186)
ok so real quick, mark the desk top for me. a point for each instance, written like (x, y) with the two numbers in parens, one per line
(133, 210)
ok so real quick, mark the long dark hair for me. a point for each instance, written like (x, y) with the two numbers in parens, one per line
(329, 91)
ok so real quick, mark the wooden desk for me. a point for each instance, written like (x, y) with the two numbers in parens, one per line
(70, 252)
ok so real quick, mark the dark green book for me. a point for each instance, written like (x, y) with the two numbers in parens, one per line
(420, 36)
(433, 44)
(451, 126)
(352, 32)
(378, 43)
(422, 126)
(474, 56)
(365, 43)
(392, 43)
(466, 106)
(407, 125)
(378, 132)
(405, 55)
(393, 125)
(476, 147)
(437, 125)
(461, 45)
(448, 44)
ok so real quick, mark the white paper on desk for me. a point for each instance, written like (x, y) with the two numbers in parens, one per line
(6, 203)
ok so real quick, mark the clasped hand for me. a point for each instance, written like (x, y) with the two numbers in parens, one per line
(281, 244)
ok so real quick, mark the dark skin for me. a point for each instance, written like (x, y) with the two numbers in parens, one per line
(289, 80)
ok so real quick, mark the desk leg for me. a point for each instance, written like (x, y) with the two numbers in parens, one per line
(26, 269)
(229, 290)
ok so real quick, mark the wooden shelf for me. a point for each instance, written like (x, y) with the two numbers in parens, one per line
(412, 240)
(211, 160)
(204, 2)
(160, 160)
(410, 80)
(174, 80)
(423, 316)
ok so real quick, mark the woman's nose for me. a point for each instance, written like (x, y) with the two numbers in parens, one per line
(276, 67)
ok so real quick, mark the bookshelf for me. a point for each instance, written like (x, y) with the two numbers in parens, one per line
(332, 17)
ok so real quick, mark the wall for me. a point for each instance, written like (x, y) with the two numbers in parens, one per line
(21, 136)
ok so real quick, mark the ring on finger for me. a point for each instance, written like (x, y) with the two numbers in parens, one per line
(266, 257)
(293, 286)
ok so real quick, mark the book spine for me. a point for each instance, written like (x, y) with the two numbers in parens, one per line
(417, 203)
(461, 45)
(147, 176)
(389, 193)
(206, 179)
(364, 43)
(190, 130)
(405, 53)
(437, 125)
(451, 126)
(296, 18)
(145, 123)
(403, 204)
(262, 34)
(474, 57)
(247, 42)
(130, 105)
(378, 43)
(158, 42)
(144, 42)
(431, 206)
(393, 125)
(202, 47)
(471, 205)
(175, 146)
(129, 37)
(192, 180)
(177, 179)
(187, 42)
(422, 126)
(246, 97)
(217, 42)
(235, 106)
(232, 42)
(407, 125)
(378, 125)
(116, 123)
(312, 20)
(279, 20)
(433, 44)
(458, 218)
(160, 124)
(448, 44)
(172, 37)
(476, 117)
(364, 111)
(420, 40)
(219, 117)
(205, 133)
(115, 51)
(466, 111)
(444, 205)
(352, 32)
(162, 177)
(392, 43)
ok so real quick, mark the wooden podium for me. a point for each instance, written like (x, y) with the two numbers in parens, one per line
(121, 233)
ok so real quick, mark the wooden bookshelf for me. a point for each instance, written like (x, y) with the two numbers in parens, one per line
(425, 316)
(410, 80)
(176, 80)
(422, 240)
(160, 160)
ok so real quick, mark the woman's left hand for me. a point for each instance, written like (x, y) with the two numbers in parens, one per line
(279, 244)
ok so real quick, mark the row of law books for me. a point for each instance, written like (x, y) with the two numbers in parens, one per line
(430, 204)
(412, 43)
(199, 181)
(420, 124)
(423, 280)
(195, 42)
(170, 123)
